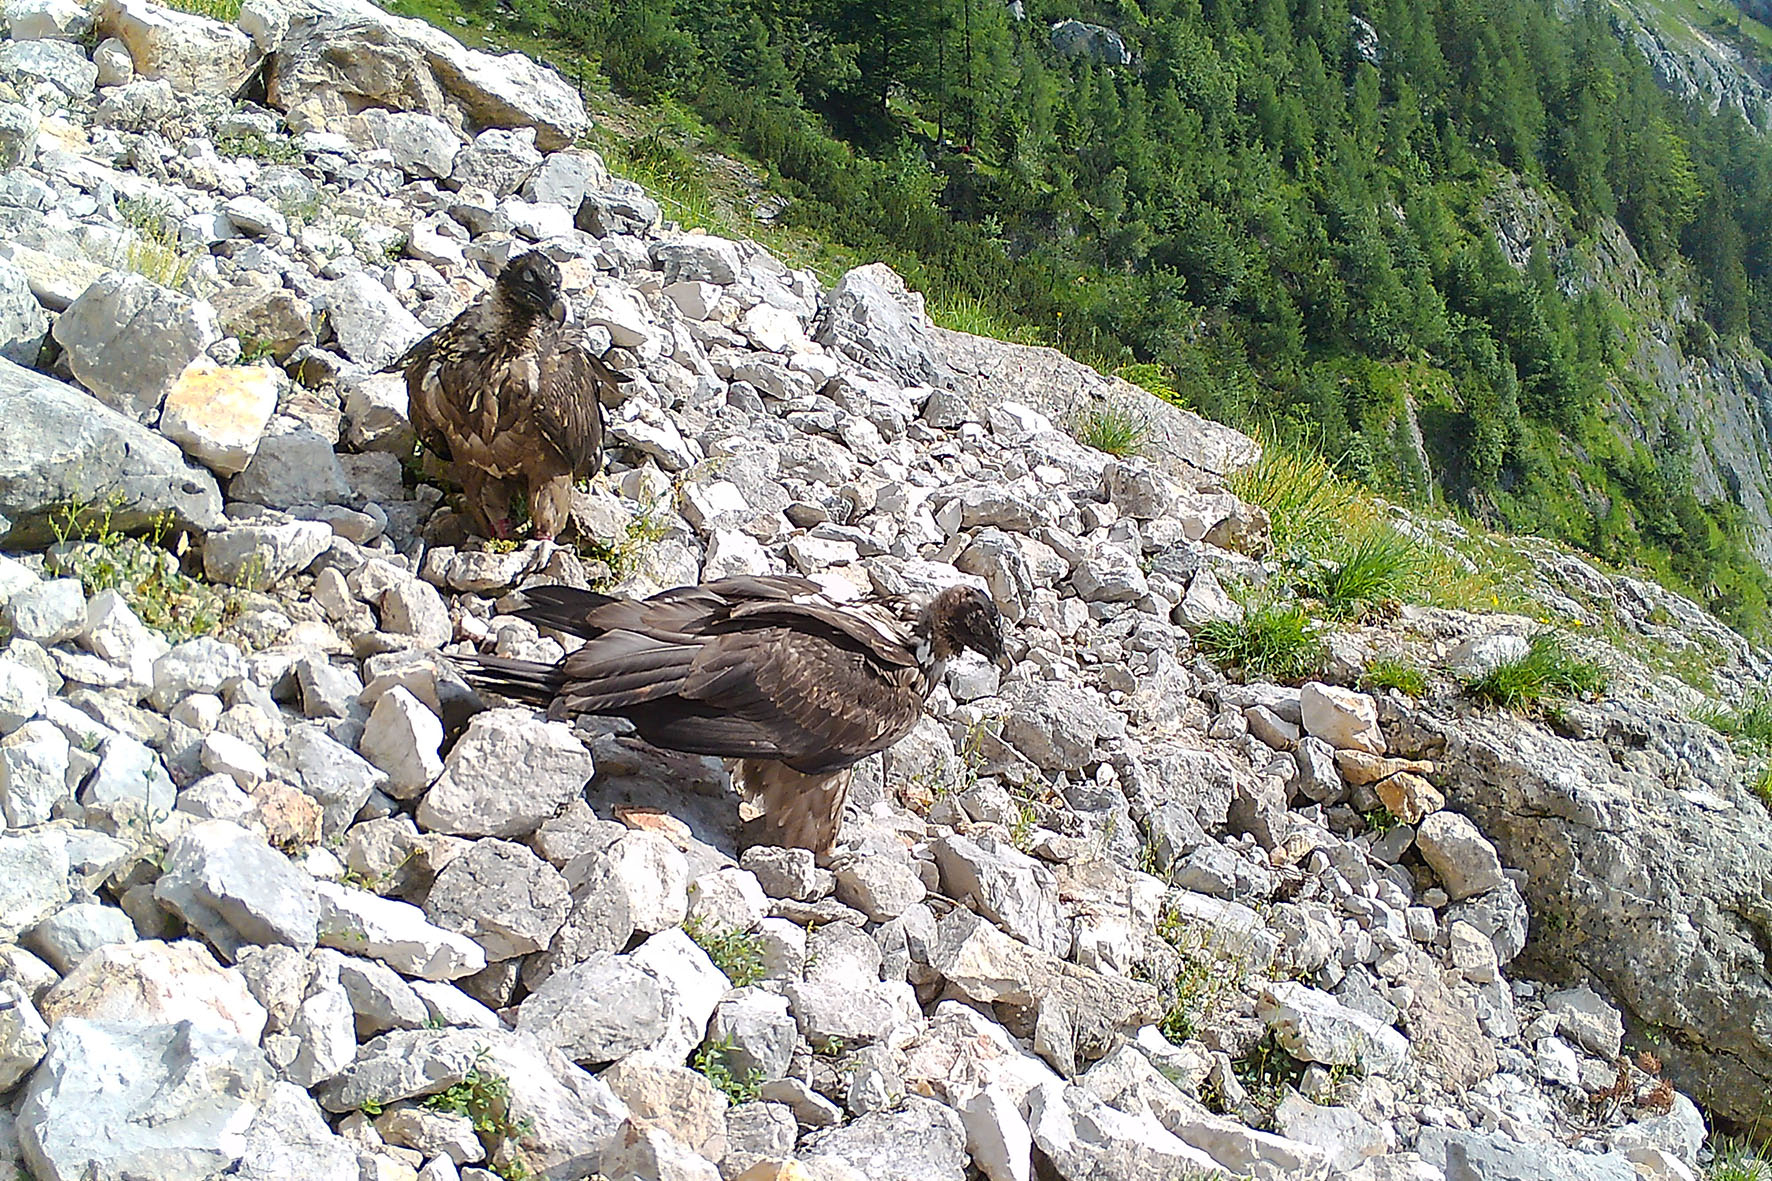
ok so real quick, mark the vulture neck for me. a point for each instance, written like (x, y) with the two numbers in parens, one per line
(518, 319)
(932, 647)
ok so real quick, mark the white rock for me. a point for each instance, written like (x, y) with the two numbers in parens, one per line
(372, 328)
(47, 613)
(1459, 853)
(151, 982)
(1481, 655)
(507, 774)
(1342, 717)
(997, 1135)
(692, 988)
(128, 339)
(23, 692)
(195, 54)
(230, 885)
(1315, 1027)
(65, 938)
(24, 1036)
(727, 899)
(650, 872)
(397, 933)
(403, 738)
(33, 773)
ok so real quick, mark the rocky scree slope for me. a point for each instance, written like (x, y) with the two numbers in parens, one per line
(277, 902)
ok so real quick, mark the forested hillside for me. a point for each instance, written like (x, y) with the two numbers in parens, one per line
(1282, 210)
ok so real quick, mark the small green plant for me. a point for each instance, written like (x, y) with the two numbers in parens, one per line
(1201, 982)
(1022, 831)
(714, 1062)
(370, 1108)
(1548, 669)
(258, 146)
(1389, 673)
(226, 11)
(1266, 1073)
(93, 549)
(1762, 785)
(831, 1047)
(622, 555)
(739, 954)
(1380, 820)
(1273, 639)
(153, 251)
(1112, 428)
(1739, 1160)
(1377, 563)
(253, 350)
(485, 1098)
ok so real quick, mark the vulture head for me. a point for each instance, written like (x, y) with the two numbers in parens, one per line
(532, 282)
(965, 617)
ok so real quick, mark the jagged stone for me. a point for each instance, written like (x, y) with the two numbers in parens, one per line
(501, 896)
(396, 933)
(506, 775)
(234, 888)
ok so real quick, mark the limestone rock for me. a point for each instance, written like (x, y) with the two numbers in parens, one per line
(217, 413)
(152, 982)
(128, 339)
(1462, 856)
(506, 775)
(1341, 717)
(97, 1104)
(227, 883)
(502, 896)
(193, 53)
(396, 933)
(60, 445)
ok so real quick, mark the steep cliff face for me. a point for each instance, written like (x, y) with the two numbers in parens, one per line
(1717, 393)
(1702, 54)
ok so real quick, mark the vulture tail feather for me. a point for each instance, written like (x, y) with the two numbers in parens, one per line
(562, 608)
(521, 680)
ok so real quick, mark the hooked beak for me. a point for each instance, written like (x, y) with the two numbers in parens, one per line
(558, 311)
(1004, 661)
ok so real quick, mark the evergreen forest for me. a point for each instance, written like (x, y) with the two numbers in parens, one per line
(1281, 213)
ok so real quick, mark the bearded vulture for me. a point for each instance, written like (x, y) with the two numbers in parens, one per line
(765, 671)
(509, 394)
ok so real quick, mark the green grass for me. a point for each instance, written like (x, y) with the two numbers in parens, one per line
(1273, 639)
(1387, 672)
(1547, 670)
(1309, 505)
(226, 11)
(1112, 428)
(103, 558)
(1374, 563)
(1739, 1160)
(713, 1062)
(739, 954)
(485, 1098)
(962, 312)
(620, 556)
(153, 251)
(1750, 725)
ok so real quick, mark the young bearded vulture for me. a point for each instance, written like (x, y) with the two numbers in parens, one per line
(763, 670)
(509, 394)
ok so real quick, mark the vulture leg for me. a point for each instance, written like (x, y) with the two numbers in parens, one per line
(550, 501)
(782, 806)
(488, 501)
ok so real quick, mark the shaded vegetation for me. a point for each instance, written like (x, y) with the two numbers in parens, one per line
(1273, 639)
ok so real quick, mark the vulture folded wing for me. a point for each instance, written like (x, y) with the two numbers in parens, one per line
(795, 696)
(567, 401)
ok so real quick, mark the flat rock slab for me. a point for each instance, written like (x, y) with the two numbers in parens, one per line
(116, 1099)
(61, 446)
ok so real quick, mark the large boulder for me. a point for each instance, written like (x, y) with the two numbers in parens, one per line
(120, 1099)
(351, 56)
(1646, 872)
(194, 53)
(127, 339)
(875, 320)
(59, 446)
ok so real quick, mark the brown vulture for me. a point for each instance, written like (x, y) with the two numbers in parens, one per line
(763, 670)
(509, 394)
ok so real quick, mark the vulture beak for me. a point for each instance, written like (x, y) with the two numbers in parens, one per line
(557, 311)
(1005, 661)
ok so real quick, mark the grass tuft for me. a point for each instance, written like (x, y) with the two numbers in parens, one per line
(1112, 428)
(1309, 505)
(1390, 673)
(1547, 670)
(1751, 724)
(1273, 639)
(1739, 1160)
(257, 146)
(226, 11)
(739, 954)
(1376, 563)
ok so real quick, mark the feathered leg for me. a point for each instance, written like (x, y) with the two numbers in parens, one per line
(781, 806)
(488, 501)
(550, 503)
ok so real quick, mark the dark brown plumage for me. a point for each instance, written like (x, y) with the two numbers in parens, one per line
(763, 670)
(510, 395)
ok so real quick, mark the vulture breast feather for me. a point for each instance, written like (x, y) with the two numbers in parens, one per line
(509, 393)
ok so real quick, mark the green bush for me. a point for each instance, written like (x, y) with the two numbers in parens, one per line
(1112, 428)
(739, 954)
(1273, 639)
(1547, 670)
